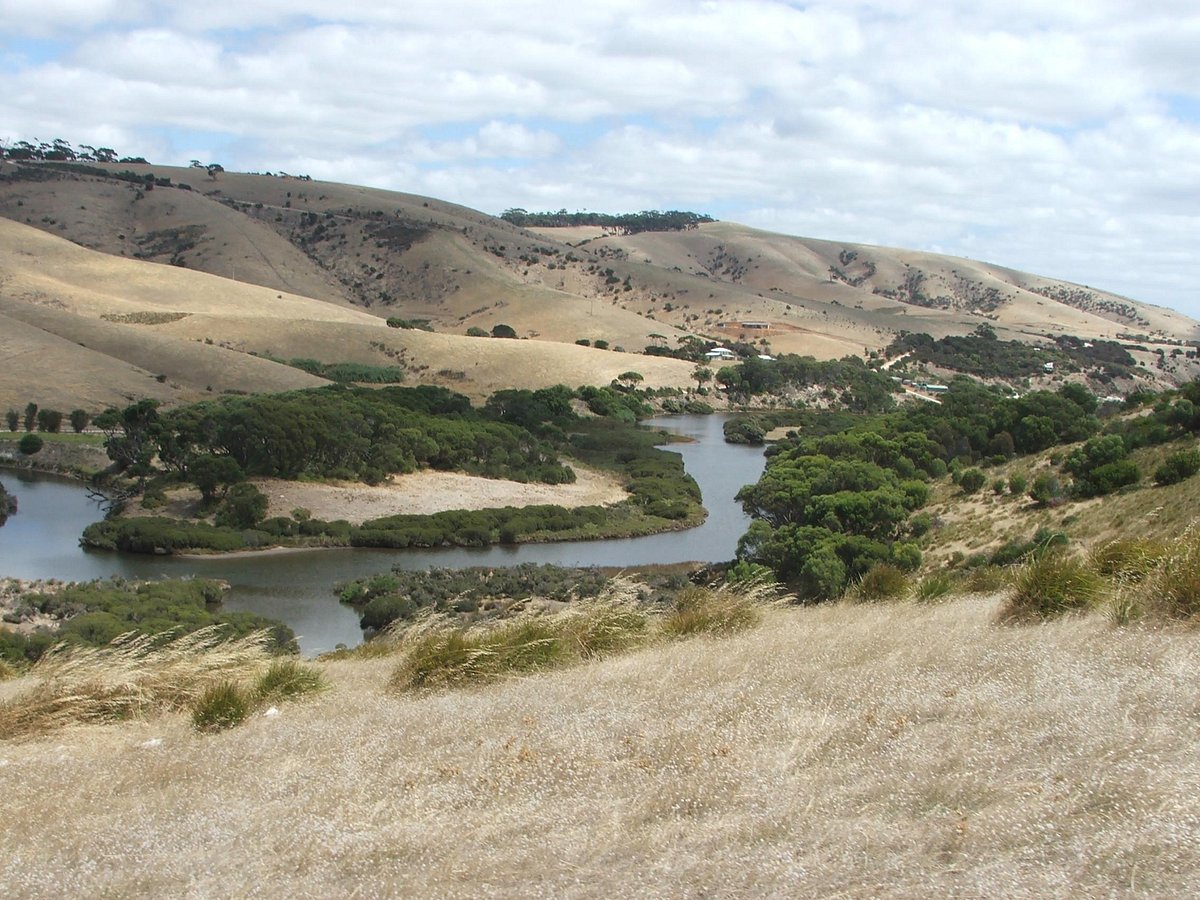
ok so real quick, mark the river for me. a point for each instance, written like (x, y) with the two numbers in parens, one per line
(42, 541)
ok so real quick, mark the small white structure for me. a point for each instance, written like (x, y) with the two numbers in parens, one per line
(720, 353)
(1048, 367)
(765, 357)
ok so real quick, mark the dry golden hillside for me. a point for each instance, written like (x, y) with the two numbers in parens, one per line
(89, 329)
(896, 751)
(261, 262)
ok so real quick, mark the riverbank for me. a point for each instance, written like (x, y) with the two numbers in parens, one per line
(71, 455)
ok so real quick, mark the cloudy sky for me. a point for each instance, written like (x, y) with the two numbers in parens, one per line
(1057, 136)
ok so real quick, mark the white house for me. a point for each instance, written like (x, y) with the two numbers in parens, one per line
(720, 353)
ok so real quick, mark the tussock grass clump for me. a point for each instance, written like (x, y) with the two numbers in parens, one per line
(221, 706)
(1051, 585)
(1172, 591)
(721, 610)
(1131, 558)
(882, 581)
(986, 579)
(287, 679)
(933, 587)
(436, 653)
(134, 675)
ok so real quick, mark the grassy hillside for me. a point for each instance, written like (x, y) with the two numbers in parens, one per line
(398, 255)
(857, 751)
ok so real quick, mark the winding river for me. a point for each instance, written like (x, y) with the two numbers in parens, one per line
(42, 541)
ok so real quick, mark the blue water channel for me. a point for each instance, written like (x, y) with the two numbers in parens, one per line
(42, 541)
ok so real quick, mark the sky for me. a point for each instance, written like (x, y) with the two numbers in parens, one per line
(1060, 137)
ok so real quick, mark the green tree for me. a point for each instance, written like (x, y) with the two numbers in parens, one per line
(49, 420)
(702, 375)
(210, 472)
(13, 419)
(971, 480)
(29, 444)
(503, 331)
(244, 506)
(79, 420)
(30, 415)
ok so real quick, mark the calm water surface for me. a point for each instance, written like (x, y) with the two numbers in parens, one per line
(42, 541)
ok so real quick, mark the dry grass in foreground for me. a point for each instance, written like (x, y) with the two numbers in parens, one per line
(218, 678)
(896, 750)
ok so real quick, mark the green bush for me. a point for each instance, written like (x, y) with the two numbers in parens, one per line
(882, 581)
(243, 506)
(1047, 490)
(287, 679)
(1017, 483)
(971, 480)
(1132, 558)
(29, 444)
(933, 587)
(1050, 585)
(1177, 467)
(221, 705)
(702, 610)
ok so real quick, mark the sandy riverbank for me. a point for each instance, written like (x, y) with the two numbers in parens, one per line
(426, 492)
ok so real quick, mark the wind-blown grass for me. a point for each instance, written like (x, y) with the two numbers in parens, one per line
(134, 675)
(437, 653)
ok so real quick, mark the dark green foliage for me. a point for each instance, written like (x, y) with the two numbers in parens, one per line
(625, 223)
(354, 433)
(1101, 466)
(29, 444)
(49, 420)
(476, 331)
(419, 324)
(1047, 490)
(79, 419)
(31, 410)
(347, 372)
(857, 387)
(210, 472)
(503, 331)
(400, 594)
(243, 506)
(96, 612)
(1178, 466)
(160, 536)
(8, 504)
(1017, 483)
(971, 480)
(12, 418)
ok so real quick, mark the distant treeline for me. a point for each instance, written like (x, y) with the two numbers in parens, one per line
(624, 223)
(59, 150)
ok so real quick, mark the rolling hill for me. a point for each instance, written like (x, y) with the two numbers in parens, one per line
(182, 277)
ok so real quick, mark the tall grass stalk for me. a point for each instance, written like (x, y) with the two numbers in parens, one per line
(133, 675)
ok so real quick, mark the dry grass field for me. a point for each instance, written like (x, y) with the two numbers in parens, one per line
(848, 751)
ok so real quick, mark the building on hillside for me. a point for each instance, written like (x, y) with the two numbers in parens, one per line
(720, 353)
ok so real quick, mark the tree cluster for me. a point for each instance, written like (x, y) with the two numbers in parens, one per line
(624, 223)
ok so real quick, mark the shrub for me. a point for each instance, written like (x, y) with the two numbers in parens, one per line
(1178, 466)
(1017, 483)
(29, 444)
(933, 587)
(1047, 490)
(1173, 590)
(1132, 558)
(971, 480)
(882, 581)
(503, 331)
(1050, 585)
(220, 706)
(288, 678)
(244, 504)
(999, 486)
(701, 610)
